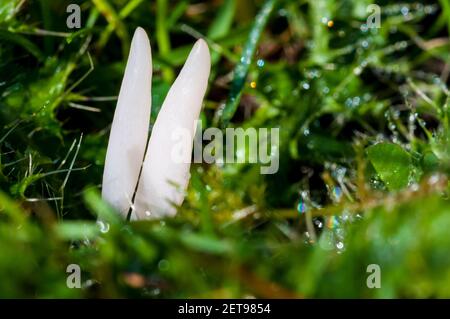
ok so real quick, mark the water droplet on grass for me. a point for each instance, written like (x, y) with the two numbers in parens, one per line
(301, 207)
(404, 10)
(104, 227)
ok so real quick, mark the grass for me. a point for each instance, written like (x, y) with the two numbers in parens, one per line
(364, 150)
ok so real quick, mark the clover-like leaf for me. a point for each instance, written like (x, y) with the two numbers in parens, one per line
(392, 163)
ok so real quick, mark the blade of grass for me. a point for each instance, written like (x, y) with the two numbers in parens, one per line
(23, 42)
(162, 36)
(47, 22)
(214, 47)
(242, 68)
(177, 12)
(221, 25)
(113, 18)
(124, 13)
(320, 9)
(446, 12)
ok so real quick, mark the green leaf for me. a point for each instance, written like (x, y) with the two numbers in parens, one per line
(162, 35)
(100, 208)
(8, 9)
(222, 23)
(205, 244)
(392, 163)
(77, 230)
(242, 68)
(39, 100)
(23, 42)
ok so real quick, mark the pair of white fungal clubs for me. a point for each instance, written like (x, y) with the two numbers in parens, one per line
(163, 181)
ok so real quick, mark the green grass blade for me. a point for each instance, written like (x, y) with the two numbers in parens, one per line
(222, 23)
(23, 42)
(242, 68)
(116, 23)
(162, 36)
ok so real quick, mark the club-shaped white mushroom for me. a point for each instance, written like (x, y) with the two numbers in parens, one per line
(164, 177)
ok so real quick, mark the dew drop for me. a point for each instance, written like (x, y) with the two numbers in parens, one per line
(404, 11)
(306, 132)
(357, 70)
(301, 207)
(104, 227)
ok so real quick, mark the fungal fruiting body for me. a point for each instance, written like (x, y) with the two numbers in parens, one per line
(164, 177)
(129, 130)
